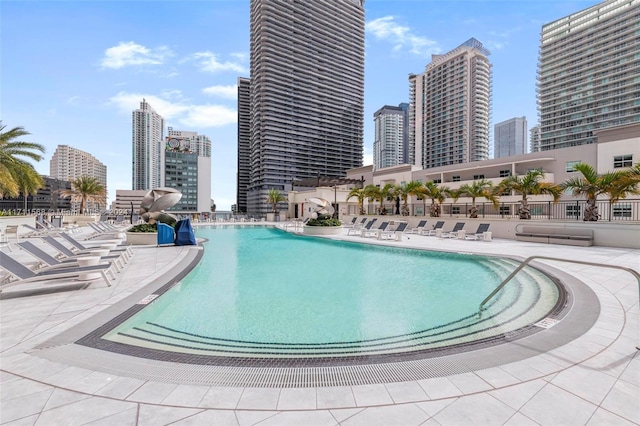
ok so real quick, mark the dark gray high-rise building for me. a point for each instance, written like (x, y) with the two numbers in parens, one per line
(244, 143)
(307, 93)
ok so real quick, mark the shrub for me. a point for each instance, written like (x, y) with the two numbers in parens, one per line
(143, 227)
(324, 222)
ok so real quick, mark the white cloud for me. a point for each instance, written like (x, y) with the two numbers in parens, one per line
(180, 110)
(229, 92)
(210, 116)
(386, 28)
(130, 53)
(73, 100)
(209, 62)
(494, 45)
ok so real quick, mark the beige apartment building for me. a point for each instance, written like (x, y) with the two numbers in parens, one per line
(449, 109)
(616, 148)
(69, 163)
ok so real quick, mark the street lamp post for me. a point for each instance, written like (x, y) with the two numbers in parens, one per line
(336, 213)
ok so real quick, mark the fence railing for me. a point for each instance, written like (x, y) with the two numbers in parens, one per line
(624, 210)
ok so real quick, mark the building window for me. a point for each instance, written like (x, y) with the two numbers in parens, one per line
(505, 173)
(505, 210)
(622, 211)
(572, 210)
(455, 178)
(455, 210)
(437, 181)
(478, 177)
(620, 161)
(570, 165)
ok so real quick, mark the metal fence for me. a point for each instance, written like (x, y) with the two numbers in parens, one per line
(624, 210)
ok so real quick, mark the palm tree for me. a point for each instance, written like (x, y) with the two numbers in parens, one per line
(360, 195)
(371, 193)
(405, 191)
(477, 189)
(386, 193)
(274, 196)
(591, 184)
(86, 189)
(626, 184)
(437, 194)
(12, 166)
(28, 180)
(530, 184)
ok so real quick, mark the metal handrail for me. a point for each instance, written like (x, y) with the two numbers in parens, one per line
(530, 258)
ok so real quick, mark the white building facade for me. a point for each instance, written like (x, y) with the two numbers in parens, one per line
(147, 148)
(68, 163)
(510, 137)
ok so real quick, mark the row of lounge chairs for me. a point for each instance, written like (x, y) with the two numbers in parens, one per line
(365, 229)
(74, 260)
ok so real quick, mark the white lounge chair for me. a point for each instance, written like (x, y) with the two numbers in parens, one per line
(454, 232)
(433, 231)
(418, 229)
(22, 274)
(395, 234)
(482, 228)
(357, 228)
(369, 233)
(65, 261)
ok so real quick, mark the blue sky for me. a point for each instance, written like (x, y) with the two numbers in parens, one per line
(73, 71)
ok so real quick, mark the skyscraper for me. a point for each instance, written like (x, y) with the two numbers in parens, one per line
(69, 163)
(307, 92)
(390, 143)
(588, 73)
(244, 143)
(534, 139)
(450, 107)
(147, 148)
(187, 168)
(510, 137)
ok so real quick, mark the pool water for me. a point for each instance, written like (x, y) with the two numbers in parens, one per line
(259, 291)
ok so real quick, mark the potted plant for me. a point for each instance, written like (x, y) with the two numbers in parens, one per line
(274, 197)
(142, 234)
(323, 225)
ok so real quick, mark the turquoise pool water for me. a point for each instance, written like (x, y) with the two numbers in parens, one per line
(261, 291)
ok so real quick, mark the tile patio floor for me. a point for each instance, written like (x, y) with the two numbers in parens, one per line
(594, 380)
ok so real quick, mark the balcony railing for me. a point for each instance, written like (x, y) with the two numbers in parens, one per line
(624, 210)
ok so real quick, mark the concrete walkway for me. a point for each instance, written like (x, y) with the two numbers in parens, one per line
(593, 380)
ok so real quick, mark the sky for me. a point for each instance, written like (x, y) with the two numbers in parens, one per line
(72, 72)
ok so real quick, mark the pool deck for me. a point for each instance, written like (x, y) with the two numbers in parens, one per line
(595, 379)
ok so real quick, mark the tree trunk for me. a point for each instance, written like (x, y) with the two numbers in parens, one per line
(591, 211)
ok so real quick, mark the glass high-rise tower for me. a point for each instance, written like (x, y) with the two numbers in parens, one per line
(510, 137)
(391, 138)
(588, 73)
(306, 93)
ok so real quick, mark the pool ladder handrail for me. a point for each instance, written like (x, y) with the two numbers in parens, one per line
(580, 262)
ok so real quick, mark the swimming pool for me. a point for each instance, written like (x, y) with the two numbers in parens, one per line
(260, 293)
